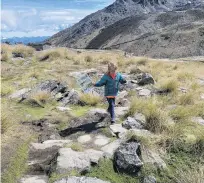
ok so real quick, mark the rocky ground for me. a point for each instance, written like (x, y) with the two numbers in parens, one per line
(53, 132)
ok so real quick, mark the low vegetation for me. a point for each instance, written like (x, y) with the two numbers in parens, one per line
(90, 99)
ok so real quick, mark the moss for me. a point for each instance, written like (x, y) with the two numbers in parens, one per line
(105, 171)
(18, 164)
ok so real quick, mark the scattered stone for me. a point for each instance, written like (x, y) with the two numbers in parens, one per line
(60, 143)
(202, 96)
(109, 149)
(19, 94)
(182, 89)
(34, 179)
(199, 120)
(117, 129)
(145, 79)
(138, 88)
(130, 123)
(121, 111)
(84, 139)
(63, 109)
(101, 140)
(153, 158)
(149, 179)
(69, 160)
(121, 97)
(144, 93)
(126, 158)
(80, 180)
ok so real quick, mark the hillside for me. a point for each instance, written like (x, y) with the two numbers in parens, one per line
(80, 34)
(165, 35)
(53, 132)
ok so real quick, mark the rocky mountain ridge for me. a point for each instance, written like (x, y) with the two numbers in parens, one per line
(80, 34)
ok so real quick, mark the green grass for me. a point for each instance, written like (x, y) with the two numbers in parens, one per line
(18, 164)
(79, 111)
(54, 176)
(105, 171)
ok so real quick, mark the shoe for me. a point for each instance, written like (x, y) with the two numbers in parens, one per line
(112, 122)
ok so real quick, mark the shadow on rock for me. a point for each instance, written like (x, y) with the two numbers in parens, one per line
(87, 128)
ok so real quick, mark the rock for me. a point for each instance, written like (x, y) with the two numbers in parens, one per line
(117, 129)
(84, 139)
(202, 96)
(145, 79)
(41, 155)
(199, 120)
(69, 160)
(153, 158)
(34, 179)
(149, 179)
(74, 179)
(101, 140)
(130, 123)
(121, 98)
(63, 108)
(140, 118)
(19, 94)
(144, 93)
(120, 111)
(109, 149)
(51, 86)
(71, 98)
(126, 158)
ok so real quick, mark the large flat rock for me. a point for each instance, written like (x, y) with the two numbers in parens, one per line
(80, 180)
(34, 179)
(69, 160)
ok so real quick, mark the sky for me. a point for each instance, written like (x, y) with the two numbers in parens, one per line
(26, 18)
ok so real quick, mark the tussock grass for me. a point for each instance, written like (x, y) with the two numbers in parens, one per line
(181, 113)
(135, 70)
(17, 165)
(90, 99)
(88, 59)
(52, 54)
(136, 105)
(4, 57)
(26, 51)
(184, 76)
(170, 86)
(6, 89)
(7, 121)
(187, 99)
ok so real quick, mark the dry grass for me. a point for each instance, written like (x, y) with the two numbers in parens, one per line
(187, 99)
(90, 99)
(26, 51)
(170, 86)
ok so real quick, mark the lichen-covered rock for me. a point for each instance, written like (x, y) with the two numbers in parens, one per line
(34, 179)
(131, 123)
(145, 79)
(69, 160)
(149, 179)
(127, 158)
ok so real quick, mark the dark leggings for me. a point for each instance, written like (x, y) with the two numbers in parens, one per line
(111, 102)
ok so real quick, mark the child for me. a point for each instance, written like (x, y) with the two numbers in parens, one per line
(111, 81)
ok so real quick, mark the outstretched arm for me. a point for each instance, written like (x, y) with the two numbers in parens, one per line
(122, 80)
(101, 82)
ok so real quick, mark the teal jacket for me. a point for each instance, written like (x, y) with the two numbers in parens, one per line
(111, 85)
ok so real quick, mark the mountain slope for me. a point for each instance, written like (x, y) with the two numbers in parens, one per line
(78, 35)
(167, 35)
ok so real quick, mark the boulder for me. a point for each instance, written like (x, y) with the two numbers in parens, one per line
(131, 123)
(121, 99)
(41, 155)
(71, 97)
(69, 160)
(74, 179)
(120, 111)
(109, 149)
(149, 179)
(15, 55)
(145, 79)
(126, 158)
(140, 118)
(34, 179)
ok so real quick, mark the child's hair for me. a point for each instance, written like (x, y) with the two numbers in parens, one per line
(112, 67)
